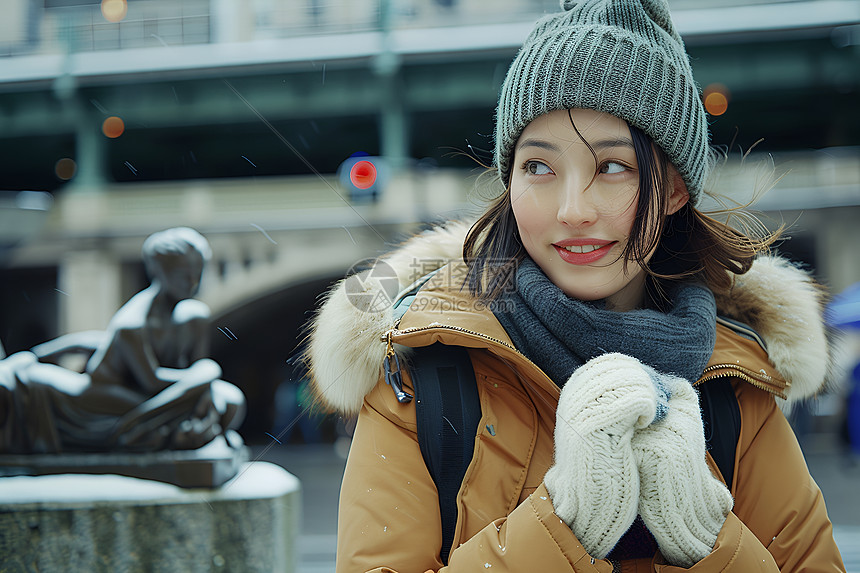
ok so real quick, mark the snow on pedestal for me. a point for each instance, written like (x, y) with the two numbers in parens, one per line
(70, 522)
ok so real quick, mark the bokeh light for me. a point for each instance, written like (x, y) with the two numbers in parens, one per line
(363, 174)
(113, 127)
(114, 10)
(65, 168)
(716, 99)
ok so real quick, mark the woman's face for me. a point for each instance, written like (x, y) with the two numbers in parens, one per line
(574, 214)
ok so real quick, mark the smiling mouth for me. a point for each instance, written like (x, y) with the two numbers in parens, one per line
(583, 254)
(583, 248)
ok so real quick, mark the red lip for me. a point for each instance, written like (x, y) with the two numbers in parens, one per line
(582, 258)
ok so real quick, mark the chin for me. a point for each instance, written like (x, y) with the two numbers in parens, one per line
(579, 289)
(584, 297)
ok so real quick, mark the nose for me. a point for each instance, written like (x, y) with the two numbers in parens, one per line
(576, 206)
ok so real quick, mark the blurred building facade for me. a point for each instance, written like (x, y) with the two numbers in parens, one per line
(232, 116)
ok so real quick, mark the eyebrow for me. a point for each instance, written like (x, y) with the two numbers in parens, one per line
(599, 145)
(602, 144)
(539, 143)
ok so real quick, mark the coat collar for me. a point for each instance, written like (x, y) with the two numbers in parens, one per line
(779, 301)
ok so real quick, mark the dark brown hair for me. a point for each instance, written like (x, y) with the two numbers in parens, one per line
(688, 244)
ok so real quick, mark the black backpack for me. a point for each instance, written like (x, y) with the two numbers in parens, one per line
(448, 412)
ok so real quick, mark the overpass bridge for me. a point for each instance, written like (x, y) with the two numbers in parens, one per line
(235, 123)
(415, 83)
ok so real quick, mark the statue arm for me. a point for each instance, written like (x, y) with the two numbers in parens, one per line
(202, 370)
(85, 343)
(131, 353)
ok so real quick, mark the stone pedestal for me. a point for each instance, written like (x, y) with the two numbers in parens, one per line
(92, 523)
(209, 466)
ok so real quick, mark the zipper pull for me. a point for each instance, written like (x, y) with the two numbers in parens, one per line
(391, 366)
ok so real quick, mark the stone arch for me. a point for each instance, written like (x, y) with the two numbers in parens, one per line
(257, 341)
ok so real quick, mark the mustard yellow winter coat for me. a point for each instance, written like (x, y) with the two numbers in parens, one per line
(389, 510)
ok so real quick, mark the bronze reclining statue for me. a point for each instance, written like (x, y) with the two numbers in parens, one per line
(147, 385)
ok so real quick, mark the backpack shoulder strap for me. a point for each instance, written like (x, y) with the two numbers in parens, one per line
(448, 411)
(721, 417)
(721, 414)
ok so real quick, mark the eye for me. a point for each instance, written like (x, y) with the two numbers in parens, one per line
(612, 167)
(533, 167)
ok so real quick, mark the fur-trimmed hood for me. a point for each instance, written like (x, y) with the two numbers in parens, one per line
(781, 302)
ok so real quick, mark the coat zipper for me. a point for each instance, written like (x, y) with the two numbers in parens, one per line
(761, 381)
(387, 337)
(389, 351)
(391, 367)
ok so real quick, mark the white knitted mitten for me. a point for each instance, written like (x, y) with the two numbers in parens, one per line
(681, 502)
(593, 483)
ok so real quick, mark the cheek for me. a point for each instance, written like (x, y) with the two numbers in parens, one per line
(530, 213)
(527, 216)
(623, 221)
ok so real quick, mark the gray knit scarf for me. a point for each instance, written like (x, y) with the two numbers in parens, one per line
(560, 334)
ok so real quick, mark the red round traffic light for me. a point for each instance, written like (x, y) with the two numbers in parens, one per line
(363, 174)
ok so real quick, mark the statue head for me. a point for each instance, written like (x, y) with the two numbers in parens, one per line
(174, 258)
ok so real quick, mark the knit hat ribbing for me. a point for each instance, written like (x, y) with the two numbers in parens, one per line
(621, 57)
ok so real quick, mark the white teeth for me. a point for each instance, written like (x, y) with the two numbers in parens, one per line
(582, 248)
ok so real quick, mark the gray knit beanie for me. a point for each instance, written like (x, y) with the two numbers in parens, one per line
(622, 57)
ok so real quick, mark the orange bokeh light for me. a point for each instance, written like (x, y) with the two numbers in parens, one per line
(113, 127)
(65, 168)
(716, 99)
(114, 10)
(716, 103)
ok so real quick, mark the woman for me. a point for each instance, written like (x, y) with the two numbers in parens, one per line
(588, 302)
